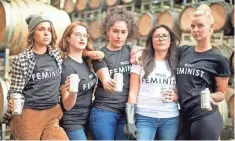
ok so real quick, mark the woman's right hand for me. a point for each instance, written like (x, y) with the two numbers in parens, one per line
(67, 83)
(10, 104)
(136, 56)
(7, 117)
(109, 85)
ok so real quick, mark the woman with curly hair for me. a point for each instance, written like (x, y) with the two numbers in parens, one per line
(107, 116)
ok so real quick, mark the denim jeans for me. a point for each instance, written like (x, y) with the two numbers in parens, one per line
(163, 128)
(106, 125)
(78, 134)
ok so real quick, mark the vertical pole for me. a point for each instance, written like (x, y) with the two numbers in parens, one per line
(62, 4)
(6, 63)
(1, 131)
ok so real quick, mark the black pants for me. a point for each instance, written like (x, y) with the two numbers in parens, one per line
(208, 128)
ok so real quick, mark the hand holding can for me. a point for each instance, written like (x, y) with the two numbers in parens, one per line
(18, 104)
(167, 94)
(206, 99)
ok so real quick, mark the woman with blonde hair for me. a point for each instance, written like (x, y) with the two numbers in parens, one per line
(201, 67)
(76, 105)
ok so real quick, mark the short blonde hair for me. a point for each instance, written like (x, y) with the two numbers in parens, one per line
(204, 10)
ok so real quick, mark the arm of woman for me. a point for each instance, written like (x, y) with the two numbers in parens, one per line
(17, 81)
(135, 55)
(222, 84)
(108, 83)
(221, 78)
(95, 55)
(17, 78)
(134, 88)
(130, 129)
(68, 98)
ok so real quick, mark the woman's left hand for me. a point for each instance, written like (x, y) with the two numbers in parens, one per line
(173, 96)
(212, 102)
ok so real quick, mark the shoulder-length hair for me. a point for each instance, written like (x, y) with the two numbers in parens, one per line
(63, 43)
(30, 40)
(148, 56)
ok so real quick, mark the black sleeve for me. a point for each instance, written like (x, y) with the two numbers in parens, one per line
(222, 69)
(180, 50)
(129, 47)
(66, 71)
(99, 64)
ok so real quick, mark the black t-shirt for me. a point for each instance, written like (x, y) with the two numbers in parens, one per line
(116, 62)
(195, 72)
(76, 117)
(42, 90)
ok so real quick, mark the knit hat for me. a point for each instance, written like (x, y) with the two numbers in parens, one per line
(34, 20)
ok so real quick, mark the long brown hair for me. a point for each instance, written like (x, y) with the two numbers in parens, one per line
(63, 43)
(148, 56)
(30, 40)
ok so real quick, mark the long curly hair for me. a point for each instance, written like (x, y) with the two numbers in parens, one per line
(120, 14)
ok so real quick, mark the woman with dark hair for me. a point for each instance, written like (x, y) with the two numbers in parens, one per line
(107, 116)
(36, 76)
(154, 116)
(76, 105)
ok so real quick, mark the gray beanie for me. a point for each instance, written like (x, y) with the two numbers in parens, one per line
(34, 20)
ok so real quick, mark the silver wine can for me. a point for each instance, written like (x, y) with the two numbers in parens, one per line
(118, 78)
(18, 102)
(74, 83)
(205, 99)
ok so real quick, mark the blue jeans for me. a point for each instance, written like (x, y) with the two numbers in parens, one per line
(164, 128)
(78, 134)
(106, 125)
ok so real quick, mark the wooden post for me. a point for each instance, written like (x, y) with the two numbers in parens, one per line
(62, 4)
(3, 131)
(6, 64)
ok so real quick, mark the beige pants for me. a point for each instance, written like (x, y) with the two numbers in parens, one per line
(38, 125)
